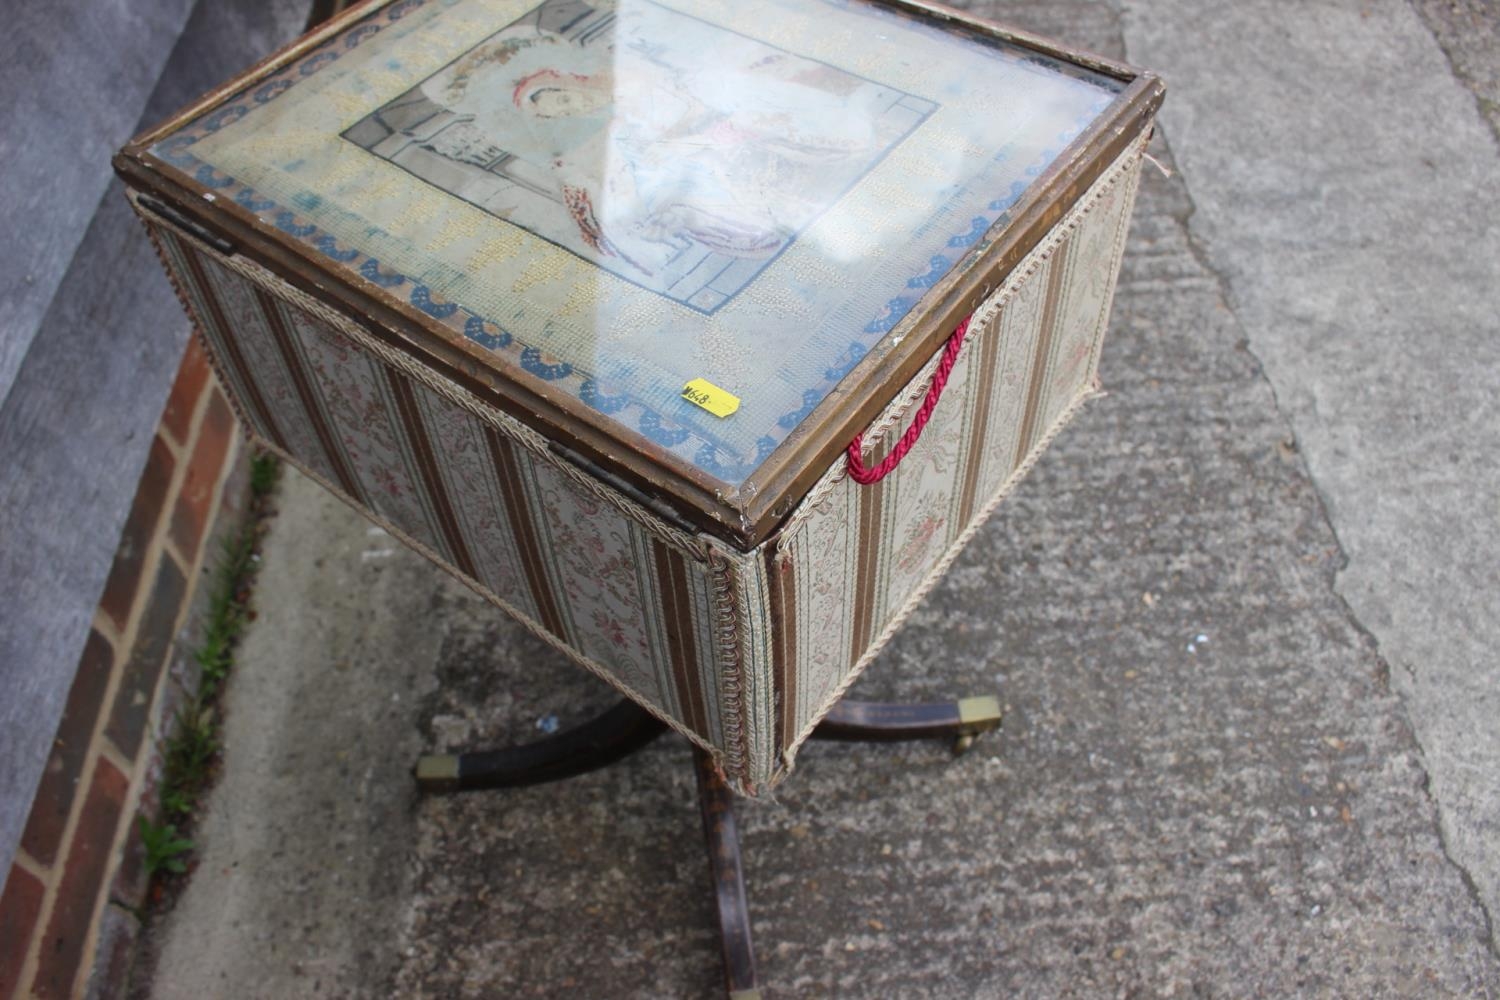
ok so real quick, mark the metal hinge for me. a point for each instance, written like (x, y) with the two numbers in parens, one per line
(182, 222)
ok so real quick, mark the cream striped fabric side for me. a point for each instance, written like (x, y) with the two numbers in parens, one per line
(633, 601)
(860, 557)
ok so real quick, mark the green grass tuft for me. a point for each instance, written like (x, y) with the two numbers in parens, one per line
(192, 749)
(265, 469)
(226, 609)
(164, 849)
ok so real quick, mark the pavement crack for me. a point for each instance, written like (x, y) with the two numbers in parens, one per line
(1485, 21)
(1338, 565)
(1470, 886)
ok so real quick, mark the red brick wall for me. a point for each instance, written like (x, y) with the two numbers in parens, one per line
(80, 850)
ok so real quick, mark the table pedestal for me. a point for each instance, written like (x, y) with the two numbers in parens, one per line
(626, 728)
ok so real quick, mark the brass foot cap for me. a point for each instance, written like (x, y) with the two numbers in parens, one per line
(979, 715)
(437, 773)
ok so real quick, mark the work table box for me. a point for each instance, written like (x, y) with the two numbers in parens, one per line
(697, 336)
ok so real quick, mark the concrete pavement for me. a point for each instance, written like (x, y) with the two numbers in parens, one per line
(1346, 193)
(1237, 615)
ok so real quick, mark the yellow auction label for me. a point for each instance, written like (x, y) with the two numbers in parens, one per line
(702, 392)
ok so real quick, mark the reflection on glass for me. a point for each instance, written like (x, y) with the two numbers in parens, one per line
(675, 154)
(622, 197)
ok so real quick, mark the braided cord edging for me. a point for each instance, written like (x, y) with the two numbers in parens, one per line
(725, 586)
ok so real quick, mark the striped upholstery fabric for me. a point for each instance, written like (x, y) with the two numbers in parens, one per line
(478, 493)
(742, 652)
(851, 564)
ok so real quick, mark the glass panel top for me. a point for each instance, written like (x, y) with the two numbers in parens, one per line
(625, 196)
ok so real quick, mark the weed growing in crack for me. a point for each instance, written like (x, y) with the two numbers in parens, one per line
(191, 753)
(164, 849)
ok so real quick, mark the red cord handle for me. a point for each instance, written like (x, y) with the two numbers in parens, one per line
(857, 470)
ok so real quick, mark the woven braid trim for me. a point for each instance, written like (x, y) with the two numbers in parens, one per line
(935, 574)
(981, 325)
(1133, 178)
(756, 639)
(729, 611)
